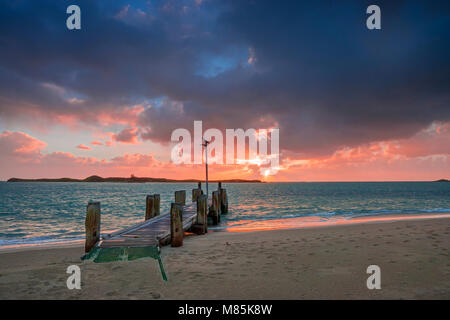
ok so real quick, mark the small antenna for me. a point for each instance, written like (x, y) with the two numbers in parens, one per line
(205, 142)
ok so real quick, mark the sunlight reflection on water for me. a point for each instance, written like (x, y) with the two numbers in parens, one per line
(55, 212)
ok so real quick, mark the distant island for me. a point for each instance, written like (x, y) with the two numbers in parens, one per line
(131, 179)
(442, 180)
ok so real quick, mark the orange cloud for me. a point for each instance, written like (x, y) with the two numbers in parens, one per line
(20, 146)
(424, 156)
(434, 140)
(128, 135)
(83, 147)
(124, 116)
(135, 160)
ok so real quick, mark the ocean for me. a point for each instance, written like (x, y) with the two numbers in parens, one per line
(34, 213)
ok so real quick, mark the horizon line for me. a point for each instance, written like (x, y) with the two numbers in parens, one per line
(235, 179)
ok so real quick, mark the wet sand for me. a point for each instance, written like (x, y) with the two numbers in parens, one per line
(308, 263)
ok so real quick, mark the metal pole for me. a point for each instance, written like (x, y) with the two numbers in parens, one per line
(205, 144)
(206, 161)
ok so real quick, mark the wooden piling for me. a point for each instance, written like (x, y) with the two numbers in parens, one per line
(149, 207)
(203, 219)
(216, 200)
(180, 197)
(156, 204)
(223, 201)
(195, 194)
(176, 225)
(214, 210)
(199, 186)
(201, 227)
(92, 225)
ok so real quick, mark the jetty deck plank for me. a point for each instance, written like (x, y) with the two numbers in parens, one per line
(150, 232)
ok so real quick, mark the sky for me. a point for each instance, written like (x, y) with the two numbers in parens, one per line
(351, 104)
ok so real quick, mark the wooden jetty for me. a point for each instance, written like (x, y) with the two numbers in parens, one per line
(158, 230)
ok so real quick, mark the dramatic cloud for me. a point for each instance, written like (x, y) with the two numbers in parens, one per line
(388, 160)
(425, 156)
(141, 69)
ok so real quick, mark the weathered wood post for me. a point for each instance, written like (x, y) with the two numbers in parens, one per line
(180, 197)
(176, 225)
(223, 201)
(195, 194)
(201, 227)
(156, 203)
(217, 204)
(219, 190)
(202, 208)
(214, 210)
(149, 207)
(199, 186)
(92, 225)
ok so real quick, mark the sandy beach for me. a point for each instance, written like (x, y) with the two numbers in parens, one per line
(308, 263)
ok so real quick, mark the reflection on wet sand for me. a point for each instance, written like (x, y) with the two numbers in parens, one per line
(307, 222)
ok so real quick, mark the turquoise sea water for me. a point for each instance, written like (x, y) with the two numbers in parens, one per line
(39, 213)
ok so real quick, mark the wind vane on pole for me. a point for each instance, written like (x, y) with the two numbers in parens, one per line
(205, 144)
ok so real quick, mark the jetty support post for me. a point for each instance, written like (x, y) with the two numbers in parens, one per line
(219, 190)
(195, 193)
(149, 207)
(92, 225)
(156, 203)
(176, 225)
(214, 210)
(201, 227)
(223, 199)
(180, 197)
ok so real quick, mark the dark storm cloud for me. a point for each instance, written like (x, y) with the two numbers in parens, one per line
(316, 70)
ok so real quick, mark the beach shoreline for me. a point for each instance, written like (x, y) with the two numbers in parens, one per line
(304, 263)
(288, 223)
